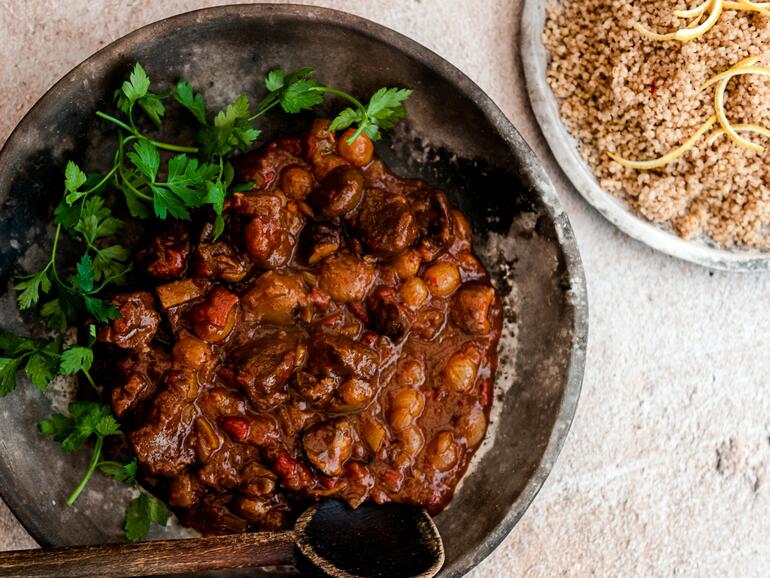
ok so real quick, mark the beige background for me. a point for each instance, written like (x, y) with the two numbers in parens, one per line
(667, 468)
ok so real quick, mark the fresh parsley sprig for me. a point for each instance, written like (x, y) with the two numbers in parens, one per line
(300, 91)
(143, 509)
(83, 214)
(160, 179)
(39, 358)
(87, 419)
(42, 360)
(141, 512)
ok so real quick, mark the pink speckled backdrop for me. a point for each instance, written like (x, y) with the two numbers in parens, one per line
(667, 468)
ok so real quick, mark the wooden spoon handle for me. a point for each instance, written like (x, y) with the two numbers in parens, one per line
(152, 558)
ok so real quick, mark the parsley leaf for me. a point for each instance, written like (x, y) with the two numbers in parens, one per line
(384, 110)
(125, 473)
(76, 358)
(344, 119)
(300, 96)
(141, 511)
(12, 344)
(86, 419)
(41, 357)
(137, 84)
(145, 157)
(54, 315)
(74, 178)
(295, 92)
(234, 111)
(136, 90)
(152, 105)
(9, 367)
(274, 80)
(85, 277)
(96, 220)
(165, 202)
(31, 286)
(386, 106)
(41, 369)
(111, 263)
(191, 100)
(232, 130)
(103, 310)
(186, 179)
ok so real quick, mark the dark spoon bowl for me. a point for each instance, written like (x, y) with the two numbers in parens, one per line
(455, 137)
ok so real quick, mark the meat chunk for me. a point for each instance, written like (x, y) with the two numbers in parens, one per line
(385, 223)
(340, 374)
(340, 356)
(346, 277)
(319, 240)
(328, 445)
(138, 376)
(257, 431)
(262, 167)
(276, 298)
(473, 308)
(222, 401)
(222, 470)
(262, 369)
(387, 315)
(265, 232)
(220, 260)
(214, 319)
(339, 193)
(166, 257)
(271, 234)
(138, 323)
(160, 445)
(435, 223)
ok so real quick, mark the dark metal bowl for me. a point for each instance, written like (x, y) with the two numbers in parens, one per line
(455, 137)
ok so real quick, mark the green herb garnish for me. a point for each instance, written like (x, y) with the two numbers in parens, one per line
(157, 179)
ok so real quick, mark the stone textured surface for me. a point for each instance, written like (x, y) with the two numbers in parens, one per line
(667, 469)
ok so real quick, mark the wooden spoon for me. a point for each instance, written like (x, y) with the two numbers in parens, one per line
(328, 539)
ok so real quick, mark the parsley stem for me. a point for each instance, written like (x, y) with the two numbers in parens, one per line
(342, 94)
(54, 250)
(91, 469)
(137, 134)
(114, 120)
(263, 110)
(102, 181)
(134, 190)
(89, 378)
(352, 100)
(171, 147)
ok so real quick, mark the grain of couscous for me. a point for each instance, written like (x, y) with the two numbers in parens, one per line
(640, 99)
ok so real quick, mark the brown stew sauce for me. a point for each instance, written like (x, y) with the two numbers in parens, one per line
(338, 340)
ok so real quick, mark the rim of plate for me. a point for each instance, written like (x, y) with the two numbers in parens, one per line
(565, 150)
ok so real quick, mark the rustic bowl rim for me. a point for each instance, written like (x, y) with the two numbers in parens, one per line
(529, 165)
